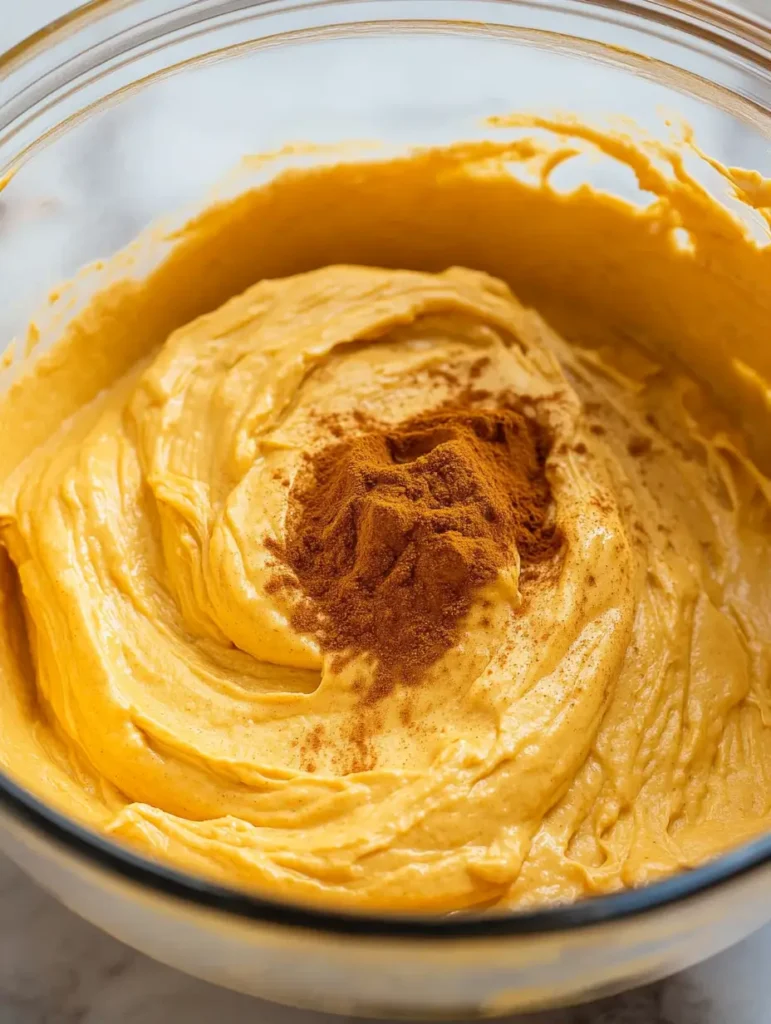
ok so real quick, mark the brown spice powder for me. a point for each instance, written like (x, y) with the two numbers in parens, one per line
(391, 534)
(639, 446)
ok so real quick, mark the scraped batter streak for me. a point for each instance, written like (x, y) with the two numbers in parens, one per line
(599, 729)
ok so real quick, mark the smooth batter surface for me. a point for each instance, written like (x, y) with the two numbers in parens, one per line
(610, 725)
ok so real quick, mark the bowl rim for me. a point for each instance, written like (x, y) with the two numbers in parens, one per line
(105, 854)
(737, 29)
(171, 882)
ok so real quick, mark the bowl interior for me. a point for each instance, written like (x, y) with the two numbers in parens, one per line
(156, 128)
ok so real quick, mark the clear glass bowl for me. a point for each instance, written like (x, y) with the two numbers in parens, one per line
(126, 110)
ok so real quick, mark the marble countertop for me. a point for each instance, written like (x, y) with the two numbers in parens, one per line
(57, 969)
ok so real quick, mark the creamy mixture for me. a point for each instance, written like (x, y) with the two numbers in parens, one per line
(592, 723)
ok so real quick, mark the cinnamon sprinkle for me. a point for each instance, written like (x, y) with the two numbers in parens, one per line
(391, 534)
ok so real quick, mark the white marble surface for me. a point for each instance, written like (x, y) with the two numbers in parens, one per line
(56, 969)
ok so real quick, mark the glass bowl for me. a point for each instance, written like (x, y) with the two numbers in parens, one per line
(126, 110)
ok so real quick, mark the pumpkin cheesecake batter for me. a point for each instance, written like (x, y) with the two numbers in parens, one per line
(581, 703)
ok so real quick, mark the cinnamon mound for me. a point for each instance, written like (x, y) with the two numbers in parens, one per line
(391, 534)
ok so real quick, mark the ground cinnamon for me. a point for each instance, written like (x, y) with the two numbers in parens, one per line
(391, 534)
